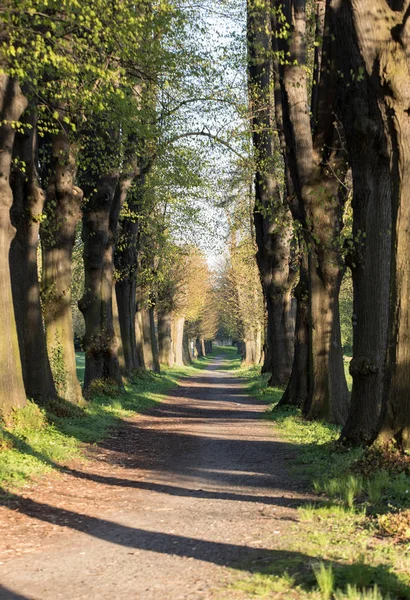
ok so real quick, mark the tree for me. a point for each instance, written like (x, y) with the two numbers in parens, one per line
(26, 215)
(58, 232)
(374, 50)
(12, 105)
(273, 223)
(315, 156)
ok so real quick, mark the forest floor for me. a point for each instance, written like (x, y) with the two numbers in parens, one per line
(195, 499)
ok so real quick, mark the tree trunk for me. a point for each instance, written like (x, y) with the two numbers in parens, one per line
(369, 257)
(99, 228)
(125, 291)
(145, 325)
(63, 212)
(178, 338)
(185, 350)
(139, 338)
(272, 220)
(154, 343)
(166, 356)
(126, 267)
(297, 389)
(328, 394)
(380, 38)
(280, 329)
(12, 393)
(249, 357)
(28, 204)
(317, 164)
(117, 332)
(198, 346)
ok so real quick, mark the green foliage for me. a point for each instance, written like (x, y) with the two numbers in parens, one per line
(325, 579)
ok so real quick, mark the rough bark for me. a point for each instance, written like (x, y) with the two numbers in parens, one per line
(369, 256)
(186, 353)
(272, 220)
(12, 393)
(250, 357)
(145, 326)
(99, 229)
(139, 338)
(26, 212)
(63, 212)
(382, 39)
(166, 356)
(178, 339)
(154, 341)
(298, 385)
(126, 265)
(317, 163)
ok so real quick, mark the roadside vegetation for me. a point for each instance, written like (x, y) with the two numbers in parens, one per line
(37, 439)
(356, 530)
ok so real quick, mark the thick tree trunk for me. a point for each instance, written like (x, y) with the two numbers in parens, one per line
(28, 204)
(272, 220)
(126, 266)
(369, 258)
(185, 350)
(145, 326)
(328, 393)
(249, 357)
(139, 338)
(63, 212)
(382, 41)
(154, 342)
(280, 329)
(125, 291)
(166, 356)
(178, 339)
(99, 228)
(317, 163)
(12, 393)
(198, 346)
(202, 343)
(297, 389)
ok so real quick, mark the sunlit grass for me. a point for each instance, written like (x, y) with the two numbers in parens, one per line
(40, 439)
(348, 534)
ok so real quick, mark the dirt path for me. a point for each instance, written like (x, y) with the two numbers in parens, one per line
(175, 506)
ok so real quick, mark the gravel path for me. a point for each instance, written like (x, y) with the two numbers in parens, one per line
(176, 505)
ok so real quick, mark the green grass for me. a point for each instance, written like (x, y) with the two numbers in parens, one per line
(39, 440)
(340, 549)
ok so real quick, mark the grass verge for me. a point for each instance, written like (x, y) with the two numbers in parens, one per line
(353, 543)
(40, 439)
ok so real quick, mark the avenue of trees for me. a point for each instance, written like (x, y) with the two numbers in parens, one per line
(99, 174)
(90, 100)
(329, 86)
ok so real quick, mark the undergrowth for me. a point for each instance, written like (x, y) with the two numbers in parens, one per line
(352, 542)
(39, 439)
